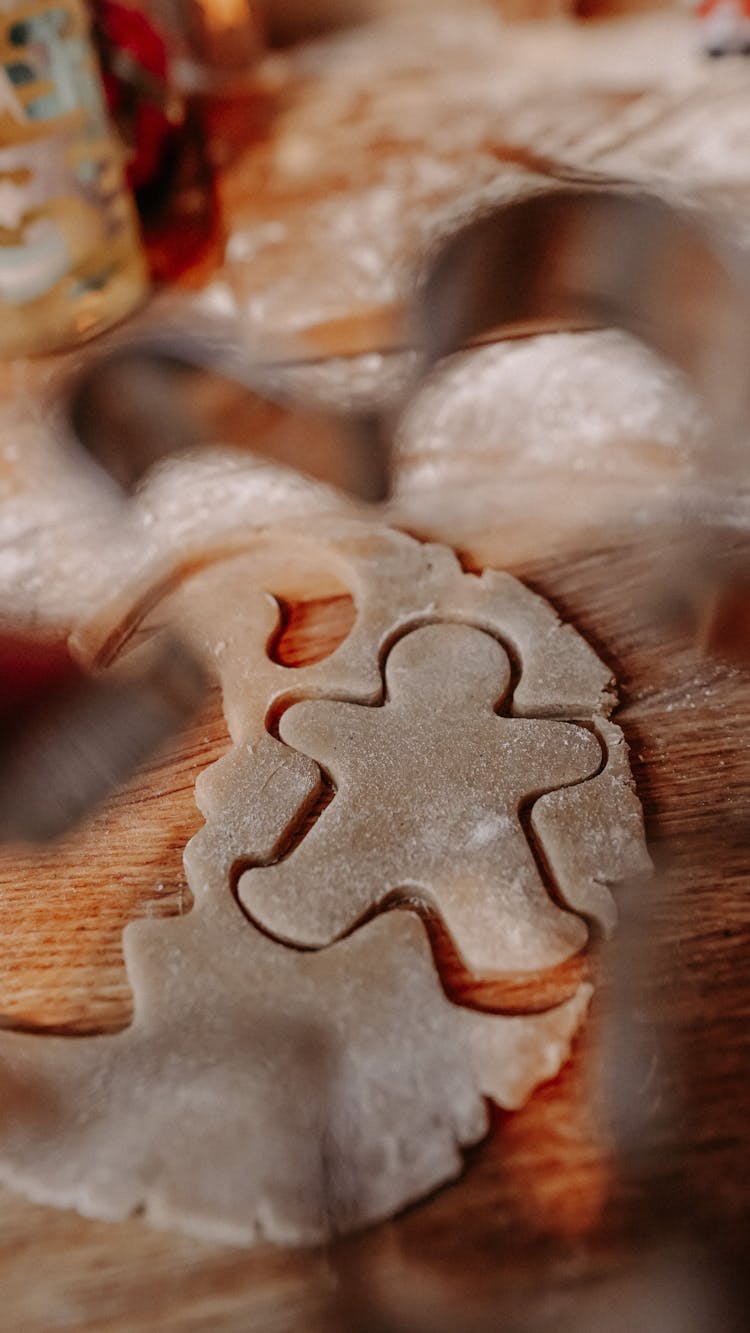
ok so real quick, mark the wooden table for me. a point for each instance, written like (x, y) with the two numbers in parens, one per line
(539, 1222)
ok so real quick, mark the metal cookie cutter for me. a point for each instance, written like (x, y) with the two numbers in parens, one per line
(598, 256)
(568, 257)
(602, 256)
(578, 258)
(174, 388)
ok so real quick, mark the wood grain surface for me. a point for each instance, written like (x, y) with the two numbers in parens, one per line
(541, 1224)
(539, 1205)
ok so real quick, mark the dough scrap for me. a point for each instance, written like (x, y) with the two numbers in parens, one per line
(268, 1092)
(288, 1098)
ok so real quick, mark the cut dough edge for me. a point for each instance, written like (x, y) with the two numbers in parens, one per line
(514, 1058)
(368, 559)
(396, 581)
(478, 1054)
(147, 1141)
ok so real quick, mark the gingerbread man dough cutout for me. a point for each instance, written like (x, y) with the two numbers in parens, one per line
(429, 790)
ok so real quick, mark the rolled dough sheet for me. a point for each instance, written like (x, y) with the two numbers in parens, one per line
(270, 1090)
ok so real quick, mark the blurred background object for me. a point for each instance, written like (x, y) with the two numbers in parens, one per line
(178, 77)
(211, 42)
(70, 256)
(724, 26)
(69, 739)
(138, 83)
(288, 20)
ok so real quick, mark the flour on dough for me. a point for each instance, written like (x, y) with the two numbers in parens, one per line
(268, 1091)
(429, 792)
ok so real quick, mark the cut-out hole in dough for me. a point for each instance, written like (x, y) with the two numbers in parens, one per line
(513, 994)
(519, 993)
(528, 993)
(310, 631)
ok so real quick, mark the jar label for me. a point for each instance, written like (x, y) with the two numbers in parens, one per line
(67, 224)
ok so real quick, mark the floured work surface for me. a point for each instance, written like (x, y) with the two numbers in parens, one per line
(320, 1077)
(538, 1213)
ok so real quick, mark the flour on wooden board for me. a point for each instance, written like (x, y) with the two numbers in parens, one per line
(270, 1091)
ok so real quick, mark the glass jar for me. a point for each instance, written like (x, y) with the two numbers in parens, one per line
(71, 262)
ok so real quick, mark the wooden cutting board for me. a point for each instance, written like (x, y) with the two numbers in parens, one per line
(539, 1214)
(539, 1198)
